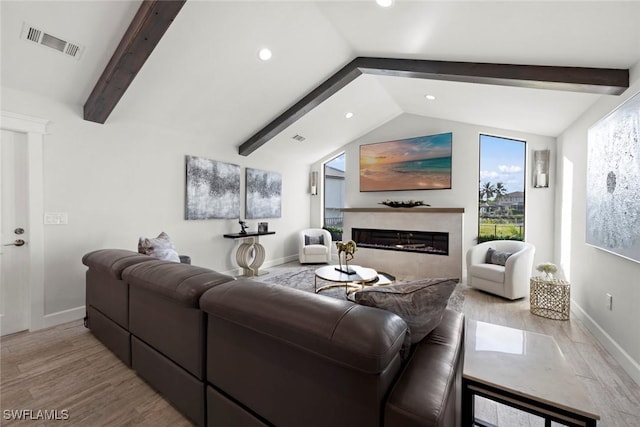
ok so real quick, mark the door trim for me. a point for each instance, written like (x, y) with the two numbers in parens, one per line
(36, 129)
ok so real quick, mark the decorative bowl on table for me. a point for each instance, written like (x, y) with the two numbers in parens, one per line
(405, 204)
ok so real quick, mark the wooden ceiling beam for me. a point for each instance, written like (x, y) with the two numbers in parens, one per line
(324, 91)
(575, 79)
(144, 33)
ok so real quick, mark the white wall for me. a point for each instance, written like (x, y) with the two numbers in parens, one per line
(594, 272)
(465, 164)
(123, 180)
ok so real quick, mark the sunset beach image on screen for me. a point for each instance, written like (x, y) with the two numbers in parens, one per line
(419, 163)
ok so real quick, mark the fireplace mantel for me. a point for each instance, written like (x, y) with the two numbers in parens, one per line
(418, 209)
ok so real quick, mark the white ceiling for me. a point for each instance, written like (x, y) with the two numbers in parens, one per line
(205, 76)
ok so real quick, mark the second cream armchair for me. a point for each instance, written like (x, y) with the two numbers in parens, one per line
(314, 246)
(510, 280)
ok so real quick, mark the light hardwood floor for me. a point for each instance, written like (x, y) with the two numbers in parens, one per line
(66, 368)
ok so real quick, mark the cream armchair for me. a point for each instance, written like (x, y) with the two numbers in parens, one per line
(314, 246)
(510, 281)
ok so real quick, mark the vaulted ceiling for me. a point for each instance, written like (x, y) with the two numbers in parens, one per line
(204, 75)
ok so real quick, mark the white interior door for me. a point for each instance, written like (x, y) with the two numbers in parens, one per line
(14, 233)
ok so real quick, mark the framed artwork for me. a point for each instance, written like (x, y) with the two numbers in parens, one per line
(263, 195)
(212, 189)
(420, 163)
(613, 173)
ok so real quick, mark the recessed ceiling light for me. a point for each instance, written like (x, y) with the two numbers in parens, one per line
(384, 3)
(430, 97)
(348, 115)
(264, 54)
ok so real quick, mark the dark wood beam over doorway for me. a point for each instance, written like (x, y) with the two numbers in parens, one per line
(144, 33)
(576, 79)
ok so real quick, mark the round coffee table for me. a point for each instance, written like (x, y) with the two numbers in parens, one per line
(330, 273)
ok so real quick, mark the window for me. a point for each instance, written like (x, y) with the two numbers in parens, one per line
(334, 196)
(501, 191)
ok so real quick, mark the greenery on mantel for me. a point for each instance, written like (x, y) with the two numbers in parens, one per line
(405, 204)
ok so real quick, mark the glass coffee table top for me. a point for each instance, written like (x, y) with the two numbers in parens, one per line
(330, 273)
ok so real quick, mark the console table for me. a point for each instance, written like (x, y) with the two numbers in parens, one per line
(250, 253)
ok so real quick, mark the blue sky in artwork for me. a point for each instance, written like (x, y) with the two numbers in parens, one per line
(502, 160)
(406, 150)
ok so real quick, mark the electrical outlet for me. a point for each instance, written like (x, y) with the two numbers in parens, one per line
(610, 302)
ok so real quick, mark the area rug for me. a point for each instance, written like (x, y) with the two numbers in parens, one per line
(302, 277)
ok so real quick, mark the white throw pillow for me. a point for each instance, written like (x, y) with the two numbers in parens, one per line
(160, 247)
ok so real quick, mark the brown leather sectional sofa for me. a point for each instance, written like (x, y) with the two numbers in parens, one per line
(231, 352)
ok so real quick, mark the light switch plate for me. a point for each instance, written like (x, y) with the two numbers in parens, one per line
(56, 218)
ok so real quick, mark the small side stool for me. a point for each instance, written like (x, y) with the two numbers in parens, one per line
(550, 298)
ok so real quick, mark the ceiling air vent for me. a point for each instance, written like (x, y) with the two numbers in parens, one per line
(299, 137)
(65, 47)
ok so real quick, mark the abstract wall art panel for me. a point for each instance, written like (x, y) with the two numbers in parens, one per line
(613, 182)
(213, 189)
(264, 191)
(420, 163)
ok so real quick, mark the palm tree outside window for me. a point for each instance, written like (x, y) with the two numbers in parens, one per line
(501, 188)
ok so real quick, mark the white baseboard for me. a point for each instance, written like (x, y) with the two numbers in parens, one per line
(280, 261)
(269, 263)
(64, 316)
(630, 366)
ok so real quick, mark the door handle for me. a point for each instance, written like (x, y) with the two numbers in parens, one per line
(18, 242)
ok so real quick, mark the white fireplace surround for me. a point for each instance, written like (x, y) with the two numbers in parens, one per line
(409, 265)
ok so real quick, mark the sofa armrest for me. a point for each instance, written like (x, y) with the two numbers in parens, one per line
(427, 392)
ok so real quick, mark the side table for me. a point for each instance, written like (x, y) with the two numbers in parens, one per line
(524, 370)
(250, 254)
(550, 298)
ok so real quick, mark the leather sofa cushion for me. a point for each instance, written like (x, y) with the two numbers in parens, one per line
(184, 391)
(113, 261)
(112, 335)
(364, 338)
(109, 295)
(491, 272)
(183, 283)
(426, 391)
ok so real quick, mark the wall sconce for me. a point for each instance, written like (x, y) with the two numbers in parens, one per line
(541, 168)
(314, 183)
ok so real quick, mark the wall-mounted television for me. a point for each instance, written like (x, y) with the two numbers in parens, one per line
(419, 163)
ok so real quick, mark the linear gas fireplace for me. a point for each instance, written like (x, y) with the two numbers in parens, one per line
(428, 242)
